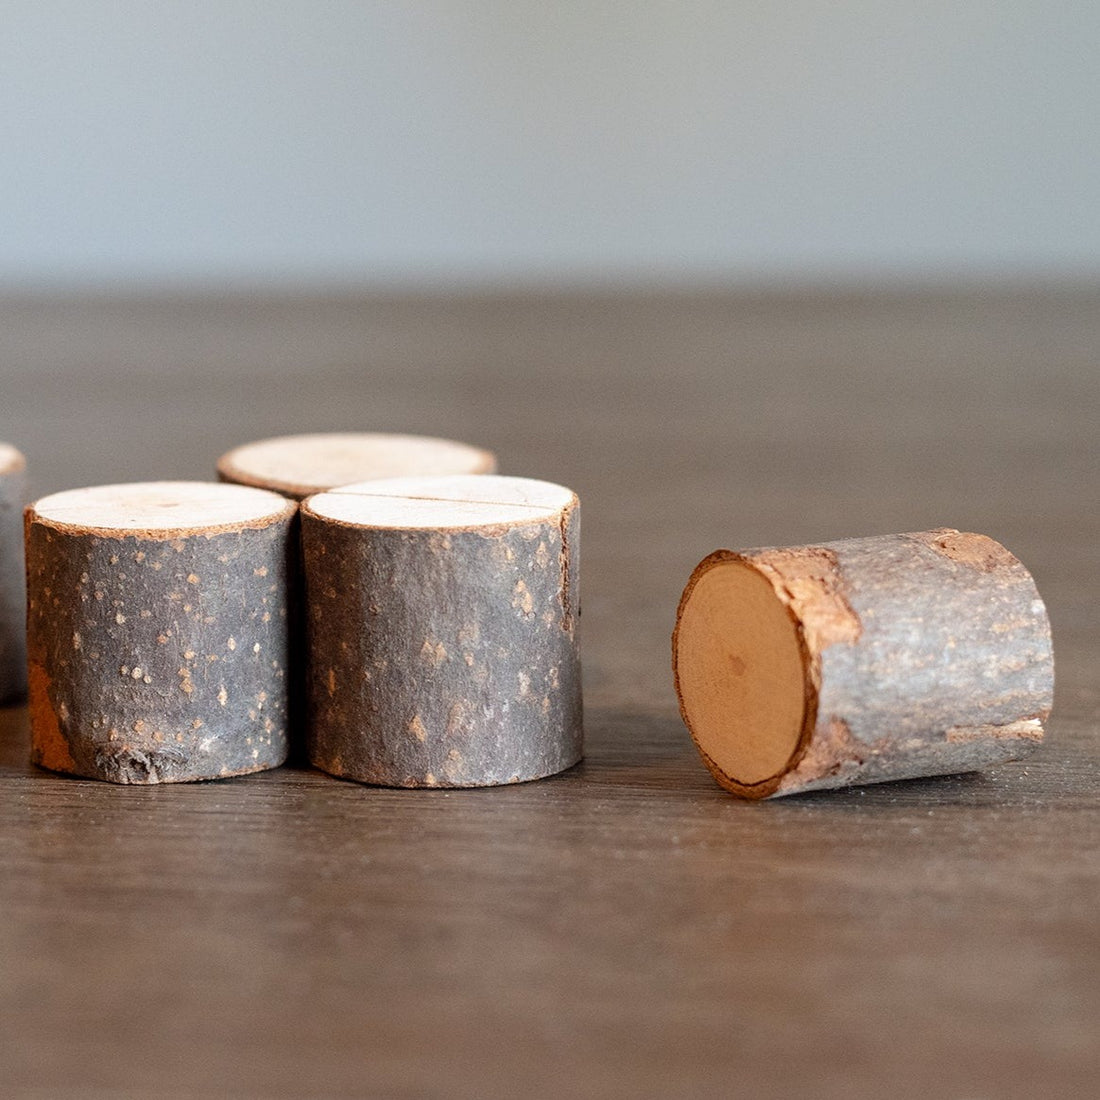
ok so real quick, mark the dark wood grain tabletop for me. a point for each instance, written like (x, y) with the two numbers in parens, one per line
(627, 928)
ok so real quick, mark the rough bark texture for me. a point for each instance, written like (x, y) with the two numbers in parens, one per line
(316, 462)
(158, 658)
(443, 658)
(13, 611)
(927, 654)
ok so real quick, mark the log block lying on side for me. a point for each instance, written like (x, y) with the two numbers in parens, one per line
(157, 630)
(861, 661)
(13, 610)
(298, 465)
(442, 615)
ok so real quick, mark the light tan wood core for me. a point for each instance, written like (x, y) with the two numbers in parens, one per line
(741, 673)
(161, 506)
(453, 501)
(298, 465)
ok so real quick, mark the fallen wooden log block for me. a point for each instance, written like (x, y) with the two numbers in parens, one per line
(157, 630)
(442, 616)
(861, 660)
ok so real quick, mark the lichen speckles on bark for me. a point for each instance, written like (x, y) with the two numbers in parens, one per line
(521, 598)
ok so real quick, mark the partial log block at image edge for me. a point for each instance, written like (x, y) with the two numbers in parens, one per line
(13, 612)
(861, 661)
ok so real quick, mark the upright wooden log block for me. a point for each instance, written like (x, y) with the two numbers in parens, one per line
(298, 465)
(13, 609)
(157, 630)
(443, 646)
(861, 660)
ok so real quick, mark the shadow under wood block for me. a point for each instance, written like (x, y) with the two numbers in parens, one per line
(13, 611)
(639, 749)
(862, 660)
(14, 738)
(157, 630)
(442, 636)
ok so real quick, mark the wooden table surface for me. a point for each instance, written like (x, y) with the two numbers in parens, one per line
(625, 929)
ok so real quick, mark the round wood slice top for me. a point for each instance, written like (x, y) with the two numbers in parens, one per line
(741, 672)
(448, 502)
(298, 465)
(10, 459)
(162, 507)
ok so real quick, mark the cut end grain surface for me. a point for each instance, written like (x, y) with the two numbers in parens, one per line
(297, 465)
(456, 501)
(170, 507)
(741, 673)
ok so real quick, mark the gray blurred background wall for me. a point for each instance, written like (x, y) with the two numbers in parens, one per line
(409, 144)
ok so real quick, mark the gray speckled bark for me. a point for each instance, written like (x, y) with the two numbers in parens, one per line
(443, 658)
(158, 659)
(929, 653)
(13, 610)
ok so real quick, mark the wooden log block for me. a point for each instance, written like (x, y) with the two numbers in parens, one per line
(443, 647)
(861, 661)
(298, 465)
(157, 630)
(13, 608)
